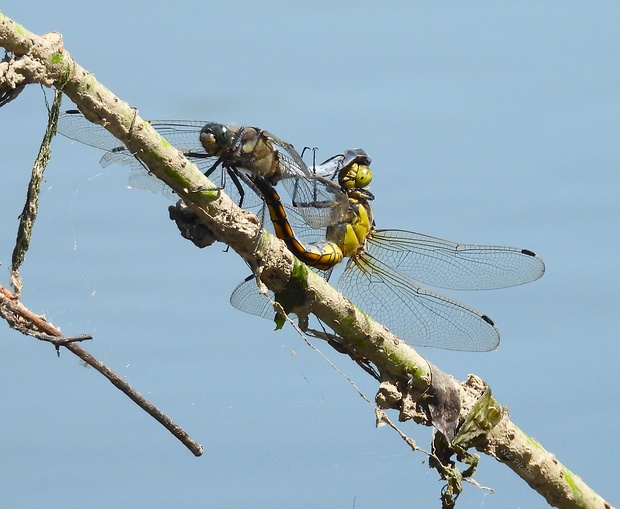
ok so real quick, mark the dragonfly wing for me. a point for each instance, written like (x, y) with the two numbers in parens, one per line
(292, 163)
(304, 232)
(330, 168)
(75, 126)
(416, 315)
(319, 200)
(247, 298)
(180, 133)
(455, 266)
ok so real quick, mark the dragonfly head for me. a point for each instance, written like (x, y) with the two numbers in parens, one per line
(355, 172)
(216, 138)
(355, 176)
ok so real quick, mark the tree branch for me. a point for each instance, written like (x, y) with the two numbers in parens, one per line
(410, 383)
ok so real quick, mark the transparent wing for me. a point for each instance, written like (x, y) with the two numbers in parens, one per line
(303, 231)
(292, 163)
(319, 200)
(416, 315)
(246, 298)
(451, 265)
(74, 125)
(330, 168)
(183, 134)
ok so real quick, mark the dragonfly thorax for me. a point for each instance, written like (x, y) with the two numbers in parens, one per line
(247, 149)
(351, 234)
(256, 153)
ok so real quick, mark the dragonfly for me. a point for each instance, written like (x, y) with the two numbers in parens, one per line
(238, 152)
(385, 267)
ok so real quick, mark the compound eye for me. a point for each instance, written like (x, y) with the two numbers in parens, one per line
(363, 176)
(215, 138)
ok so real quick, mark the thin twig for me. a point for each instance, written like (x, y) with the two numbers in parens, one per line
(31, 208)
(21, 318)
(61, 341)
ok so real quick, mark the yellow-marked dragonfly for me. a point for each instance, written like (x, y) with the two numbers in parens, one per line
(236, 152)
(384, 267)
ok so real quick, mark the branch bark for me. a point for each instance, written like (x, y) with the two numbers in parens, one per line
(410, 383)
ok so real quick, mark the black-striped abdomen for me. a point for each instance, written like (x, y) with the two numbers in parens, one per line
(322, 255)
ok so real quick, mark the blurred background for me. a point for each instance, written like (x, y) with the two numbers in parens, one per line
(487, 123)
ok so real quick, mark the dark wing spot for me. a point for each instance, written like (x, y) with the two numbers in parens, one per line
(488, 320)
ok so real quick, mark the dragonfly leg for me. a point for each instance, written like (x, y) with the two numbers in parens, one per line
(235, 176)
(314, 151)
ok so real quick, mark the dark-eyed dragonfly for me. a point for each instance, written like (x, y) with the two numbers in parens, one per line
(235, 152)
(384, 267)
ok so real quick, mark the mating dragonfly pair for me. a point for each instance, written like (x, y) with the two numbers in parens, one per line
(330, 219)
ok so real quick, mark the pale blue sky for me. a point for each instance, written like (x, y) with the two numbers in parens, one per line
(488, 123)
